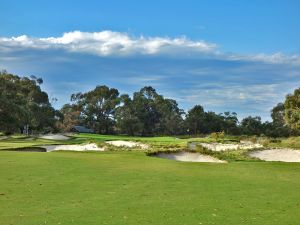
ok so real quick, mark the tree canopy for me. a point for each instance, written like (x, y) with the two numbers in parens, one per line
(292, 110)
(23, 104)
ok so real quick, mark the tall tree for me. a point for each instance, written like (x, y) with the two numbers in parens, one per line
(230, 125)
(23, 103)
(69, 116)
(292, 110)
(146, 111)
(126, 117)
(149, 113)
(278, 127)
(212, 122)
(252, 125)
(171, 121)
(195, 120)
(98, 108)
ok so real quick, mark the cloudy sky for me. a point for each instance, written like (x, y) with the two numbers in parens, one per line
(226, 55)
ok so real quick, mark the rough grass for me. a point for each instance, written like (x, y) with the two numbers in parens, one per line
(229, 155)
(291, 142)
(153, 140)
(131, 188)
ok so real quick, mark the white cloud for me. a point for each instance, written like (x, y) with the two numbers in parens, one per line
(232, 94)
(110, 43)
(276, 58)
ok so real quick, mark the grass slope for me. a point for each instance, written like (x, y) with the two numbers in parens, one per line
(130, 188)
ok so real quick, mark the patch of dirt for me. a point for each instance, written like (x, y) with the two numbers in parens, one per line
(56, 137)
(282, 155)
(86, 147)
(128, 144)
(189, 157)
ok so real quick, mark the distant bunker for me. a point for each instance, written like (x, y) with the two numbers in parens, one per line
(50, 148)
(187, 157)
(83, 147)
(56, 137)
(280, 155)
(217, 147)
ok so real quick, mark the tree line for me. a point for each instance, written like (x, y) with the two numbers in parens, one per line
(24, 105)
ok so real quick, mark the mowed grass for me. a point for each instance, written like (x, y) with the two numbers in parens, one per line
(131, 188)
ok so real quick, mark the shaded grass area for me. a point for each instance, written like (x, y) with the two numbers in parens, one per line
(130, 188)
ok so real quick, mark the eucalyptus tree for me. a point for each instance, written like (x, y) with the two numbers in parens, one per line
(292, 110)
(98, 108)
(24, 104)
(195, 120)
(127, 120)
(252, 125)
(278, 126)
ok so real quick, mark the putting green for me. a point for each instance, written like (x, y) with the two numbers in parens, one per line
(131, 188)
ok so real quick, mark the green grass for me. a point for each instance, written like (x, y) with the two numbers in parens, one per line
(131, 188)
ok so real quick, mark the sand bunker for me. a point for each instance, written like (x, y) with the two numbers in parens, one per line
(128, 144)
(86, 147)
(57, 137)
(283, 155)
(189, 157)
(223, 147)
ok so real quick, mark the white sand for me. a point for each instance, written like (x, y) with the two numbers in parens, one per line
(57, 137)
(128, 144)
(283, 155)
(189, 157)
(86, 147)
(222, 147)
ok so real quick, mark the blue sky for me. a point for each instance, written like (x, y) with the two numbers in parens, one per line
(241, 56)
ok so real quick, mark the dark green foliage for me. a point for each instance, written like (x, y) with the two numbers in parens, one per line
(278, 127)
(23, 103)
(98, 108)
(200, 122)
(127, 118)
(195, 120)
(252, 125)
(292, 110)
(146, 113)
(149, 113)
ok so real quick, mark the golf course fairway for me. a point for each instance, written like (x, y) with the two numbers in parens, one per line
(87, 188)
